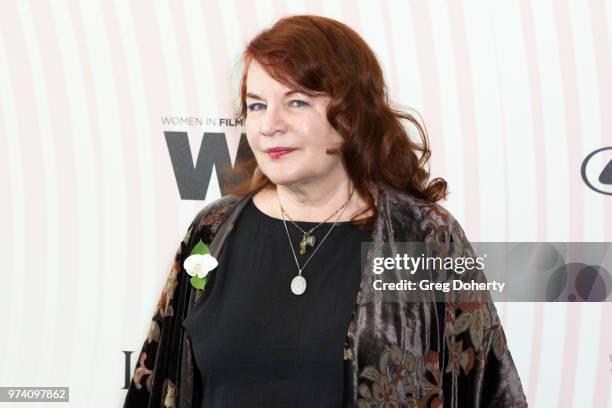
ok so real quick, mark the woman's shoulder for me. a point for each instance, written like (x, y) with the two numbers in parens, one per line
(409, 214)
(213, 214)
(406, 213)
(404, 204)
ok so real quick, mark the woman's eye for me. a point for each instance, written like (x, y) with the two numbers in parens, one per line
(256, 106)
(302, 103)
(253, 106)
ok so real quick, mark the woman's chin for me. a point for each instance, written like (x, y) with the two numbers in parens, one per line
(282, 181)
(283, 178)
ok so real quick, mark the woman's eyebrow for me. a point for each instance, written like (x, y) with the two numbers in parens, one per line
(255, 96)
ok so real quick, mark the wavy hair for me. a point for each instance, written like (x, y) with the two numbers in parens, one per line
(318, 55)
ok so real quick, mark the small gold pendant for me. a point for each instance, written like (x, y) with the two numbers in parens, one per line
(306, 240)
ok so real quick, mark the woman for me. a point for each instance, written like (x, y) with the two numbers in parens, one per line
(289, 316)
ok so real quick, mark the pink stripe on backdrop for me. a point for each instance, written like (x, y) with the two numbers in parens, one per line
(134, 230)
(428, 69)
(33, 189)
(601, 37)
(537, 115)
(313, 7)
(351, 15)
(219, 55)
(63, 337)
(572, 119)
(247, 23)
(279, 9)
(467, 114)
(157, 94)
(503, 314)
(124, 103)
(185, 52)
(95, 117)
(394, 81)
(576, 188)
(7, 249)
(535, 86)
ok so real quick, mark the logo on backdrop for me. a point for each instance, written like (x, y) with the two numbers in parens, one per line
(193, 180)
(200, 121)
(596, 170)
(193, 176)
(127, 369)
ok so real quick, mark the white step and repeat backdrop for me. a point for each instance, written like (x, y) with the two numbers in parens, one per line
(515, 96)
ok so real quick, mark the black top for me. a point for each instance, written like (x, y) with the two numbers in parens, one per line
(255, 343)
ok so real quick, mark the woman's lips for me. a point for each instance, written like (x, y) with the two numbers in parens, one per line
(276, 153)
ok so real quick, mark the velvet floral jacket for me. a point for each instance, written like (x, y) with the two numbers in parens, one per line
(397, 354)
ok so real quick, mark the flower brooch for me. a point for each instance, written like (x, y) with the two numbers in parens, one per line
(198, 264)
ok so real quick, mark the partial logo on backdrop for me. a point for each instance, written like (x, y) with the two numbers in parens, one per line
(127, 355)
(596, 170)
(200, 121)
(193, 177)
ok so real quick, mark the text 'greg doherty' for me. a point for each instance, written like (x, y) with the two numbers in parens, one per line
(412, 264)
(439, 286)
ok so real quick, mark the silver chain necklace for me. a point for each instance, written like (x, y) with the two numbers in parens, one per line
(298, 283)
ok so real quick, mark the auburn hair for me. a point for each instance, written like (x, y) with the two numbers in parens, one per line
(318, 55)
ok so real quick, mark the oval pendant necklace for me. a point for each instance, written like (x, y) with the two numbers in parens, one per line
(298, 283)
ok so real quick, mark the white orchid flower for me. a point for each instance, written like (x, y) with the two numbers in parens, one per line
(199, 265)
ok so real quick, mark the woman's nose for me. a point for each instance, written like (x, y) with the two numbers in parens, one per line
(273, 121)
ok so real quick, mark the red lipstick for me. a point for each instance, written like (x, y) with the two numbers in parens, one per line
(276, 152)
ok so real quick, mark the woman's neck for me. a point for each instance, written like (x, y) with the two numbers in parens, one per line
(310, 204)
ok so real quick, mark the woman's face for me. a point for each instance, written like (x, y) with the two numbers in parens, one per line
(295, 122)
